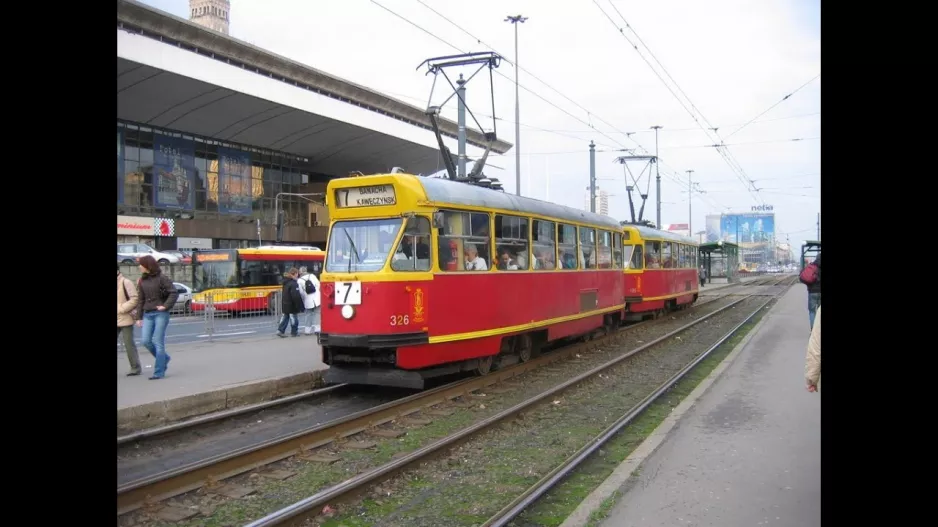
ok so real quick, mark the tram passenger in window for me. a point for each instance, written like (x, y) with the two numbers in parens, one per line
(474, 262)
(505, 262)
(568, 260)
(543, 259)
(407, 247)
(520, 258)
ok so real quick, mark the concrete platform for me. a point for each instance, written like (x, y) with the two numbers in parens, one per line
(213, 376)
(747, 452)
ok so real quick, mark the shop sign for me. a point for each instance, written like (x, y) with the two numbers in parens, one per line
(144, 226)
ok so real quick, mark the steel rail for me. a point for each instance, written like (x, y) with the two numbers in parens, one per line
(302, 508)
(533, 493)
(158, 487)
(218, 416)
(133, 495)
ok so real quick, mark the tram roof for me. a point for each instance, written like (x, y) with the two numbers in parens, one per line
(648, 232)
(458, 193)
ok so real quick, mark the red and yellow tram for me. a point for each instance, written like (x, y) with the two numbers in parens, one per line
(425, 277)
(661, 274)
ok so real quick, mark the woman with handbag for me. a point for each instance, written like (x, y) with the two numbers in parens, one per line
(157, 295)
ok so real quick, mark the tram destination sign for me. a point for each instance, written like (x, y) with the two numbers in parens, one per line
(372, 196)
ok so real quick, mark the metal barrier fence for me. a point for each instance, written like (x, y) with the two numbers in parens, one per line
(220, 318)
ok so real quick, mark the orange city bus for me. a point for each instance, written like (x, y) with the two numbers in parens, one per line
(242, 280)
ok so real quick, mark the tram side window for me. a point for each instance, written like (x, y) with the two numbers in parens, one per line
(544, 241)
(636, 261)
(666, 255)
(566, 242)
(511, 242)
(617, 250)
(587, 248)
(604, 245)
(413, 254)
(681, 256)
(464, 241)
(652, 255)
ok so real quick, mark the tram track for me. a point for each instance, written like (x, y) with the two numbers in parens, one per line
(210, 471)
(533, 493)
(310, 507)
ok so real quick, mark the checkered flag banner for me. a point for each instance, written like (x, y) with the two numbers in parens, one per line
(164, 227)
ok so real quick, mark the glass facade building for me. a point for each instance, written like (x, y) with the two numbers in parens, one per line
(170, 174)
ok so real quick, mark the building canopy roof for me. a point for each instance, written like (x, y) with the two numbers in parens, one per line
(176, 74)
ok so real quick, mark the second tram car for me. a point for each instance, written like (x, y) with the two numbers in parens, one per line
(661, 274)
(426, 277)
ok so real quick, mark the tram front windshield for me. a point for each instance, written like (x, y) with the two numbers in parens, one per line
(361, 245)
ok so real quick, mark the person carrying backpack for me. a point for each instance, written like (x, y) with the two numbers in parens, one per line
(811, 277)
(309, 290)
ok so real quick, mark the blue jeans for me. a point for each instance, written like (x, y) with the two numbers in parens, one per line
(294, 324)
(154, 339)
(814, 300)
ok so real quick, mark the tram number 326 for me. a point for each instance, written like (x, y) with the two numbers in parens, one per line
(400, 320)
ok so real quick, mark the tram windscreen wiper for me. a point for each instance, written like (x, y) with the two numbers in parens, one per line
(354, 250)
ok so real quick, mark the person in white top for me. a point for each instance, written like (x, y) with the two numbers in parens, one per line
(505, 262)
(474, 262)
(310, 300)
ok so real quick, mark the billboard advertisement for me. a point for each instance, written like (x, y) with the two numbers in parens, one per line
(234, 181)
(714, 234)
(749, 231)
(173, 172)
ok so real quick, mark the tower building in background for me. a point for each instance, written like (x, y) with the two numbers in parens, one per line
(213, 14)
(602, 201)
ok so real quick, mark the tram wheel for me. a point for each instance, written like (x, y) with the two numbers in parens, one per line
(523, 347)
(485, 365)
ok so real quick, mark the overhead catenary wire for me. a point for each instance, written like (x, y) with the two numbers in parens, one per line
(695, 129)
(792, 140)
(539, 96)
(723, 151)
(641, 147)
(783, 99)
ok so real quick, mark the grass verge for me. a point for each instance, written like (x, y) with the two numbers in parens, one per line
(563, 499)
(470, 483)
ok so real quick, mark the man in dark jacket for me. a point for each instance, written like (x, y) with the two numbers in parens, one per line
(291, 303)
(814, 292)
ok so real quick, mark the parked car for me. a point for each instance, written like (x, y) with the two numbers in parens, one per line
(183, 256)
(184, 302)
(130, 252)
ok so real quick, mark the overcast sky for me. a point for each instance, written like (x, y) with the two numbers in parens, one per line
(727, 60)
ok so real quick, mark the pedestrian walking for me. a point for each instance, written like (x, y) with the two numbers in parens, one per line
(157, 295)
(702, 274)
(309, 290)
(812, 365)
(811, 277)
(292, 304)
(126, 303)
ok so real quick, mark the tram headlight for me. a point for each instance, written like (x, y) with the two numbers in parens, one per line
(348, 312)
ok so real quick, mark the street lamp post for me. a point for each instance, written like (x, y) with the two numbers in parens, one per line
(515, 20)
(657, 175)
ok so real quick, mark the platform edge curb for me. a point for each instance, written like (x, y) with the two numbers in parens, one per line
(160, 413)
